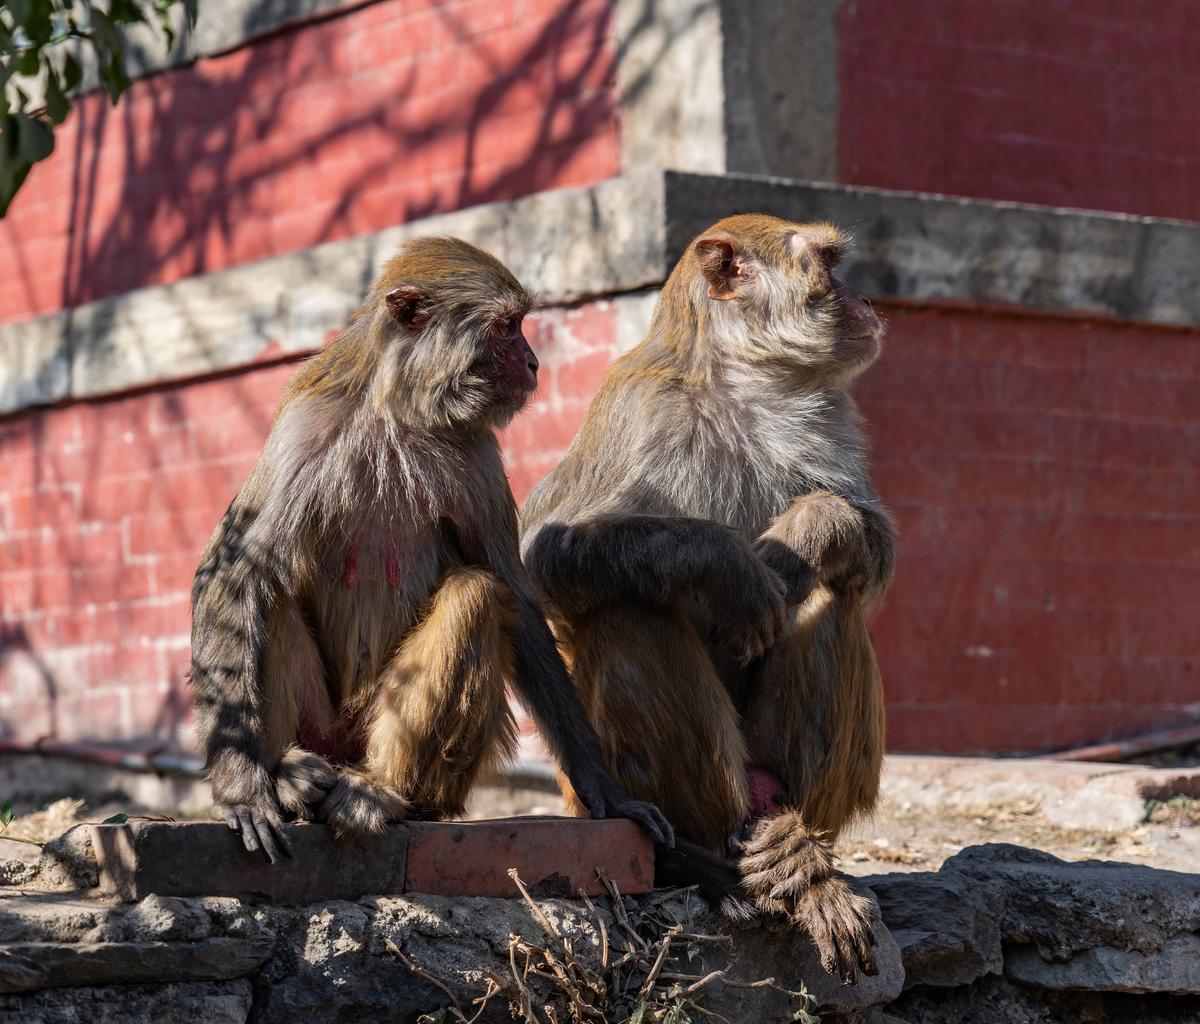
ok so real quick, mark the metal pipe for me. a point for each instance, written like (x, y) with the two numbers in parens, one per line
(154, 760)
(1124, 750)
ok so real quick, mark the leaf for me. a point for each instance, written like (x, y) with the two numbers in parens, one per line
(190, 9)
(125, 12)
(57, 104)
(26, 62)
(116, 819)
(6, 813)
(35, 140)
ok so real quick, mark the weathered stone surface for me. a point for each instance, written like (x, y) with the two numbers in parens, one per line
(1174, 968)
(619, 236)
(1064, 909)
(224, 1002)
(946, 926)
(49, 941)
(554, 856)
(35, 362)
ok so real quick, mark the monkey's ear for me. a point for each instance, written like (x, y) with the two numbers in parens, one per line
(408, 305)
(722, 263)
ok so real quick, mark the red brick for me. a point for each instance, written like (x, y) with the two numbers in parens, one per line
(303, 106)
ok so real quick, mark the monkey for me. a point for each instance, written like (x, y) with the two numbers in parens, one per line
(709, 547)
(362, 603)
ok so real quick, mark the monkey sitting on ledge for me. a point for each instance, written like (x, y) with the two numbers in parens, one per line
(710, 546)
(362, 603)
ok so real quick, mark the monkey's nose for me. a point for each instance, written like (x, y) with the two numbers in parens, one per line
(532, 362)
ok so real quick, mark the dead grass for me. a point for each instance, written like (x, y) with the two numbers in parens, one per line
(641, 977)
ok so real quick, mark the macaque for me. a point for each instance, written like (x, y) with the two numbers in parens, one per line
(362, 604)
(709, 548)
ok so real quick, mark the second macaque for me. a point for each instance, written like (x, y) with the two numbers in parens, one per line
(710, 546)
(362, 603)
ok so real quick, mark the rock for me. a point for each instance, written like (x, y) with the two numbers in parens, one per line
(947, 926)
(1174, 969)
(1066, 908)
(224, 1002)
(68, 862)
(59, 941)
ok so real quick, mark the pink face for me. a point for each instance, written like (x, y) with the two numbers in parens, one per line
(859, 319)
(516, 365)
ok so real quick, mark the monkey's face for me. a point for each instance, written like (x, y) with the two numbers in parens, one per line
(508, 365)
(771, 290)
(454, 348)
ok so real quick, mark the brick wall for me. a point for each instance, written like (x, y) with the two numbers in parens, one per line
(106, 506)
(372, 118)
(1074, 103)
(1042, 472)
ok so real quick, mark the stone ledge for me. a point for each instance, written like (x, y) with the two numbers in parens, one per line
(620, 236)
(554, 857)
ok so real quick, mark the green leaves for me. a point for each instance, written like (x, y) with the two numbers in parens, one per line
(116, 819)
(6, 813)
(47, 42)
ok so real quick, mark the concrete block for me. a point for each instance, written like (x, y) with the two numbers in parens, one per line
(554, 857)
(35, 362)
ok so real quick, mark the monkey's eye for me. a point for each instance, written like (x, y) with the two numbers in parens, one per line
(512, 325)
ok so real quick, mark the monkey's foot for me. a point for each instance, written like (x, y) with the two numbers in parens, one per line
(302, 780)
(358, 807)
(788, 870)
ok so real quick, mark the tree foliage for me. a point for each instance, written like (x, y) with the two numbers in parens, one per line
(41, 46)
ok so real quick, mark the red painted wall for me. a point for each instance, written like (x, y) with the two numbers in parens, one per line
(1042, 472)
(106, 506)
(1085, 103)
(367, 120)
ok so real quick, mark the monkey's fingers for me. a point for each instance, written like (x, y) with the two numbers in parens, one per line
(650, 818)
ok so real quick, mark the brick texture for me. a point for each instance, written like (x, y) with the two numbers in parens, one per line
(1075, 103)
(372, 118)
(1042, 471)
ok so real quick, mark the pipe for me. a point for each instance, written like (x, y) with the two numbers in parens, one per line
(153, 760)
(1124, 750)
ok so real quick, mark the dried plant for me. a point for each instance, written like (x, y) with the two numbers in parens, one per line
(637, 981)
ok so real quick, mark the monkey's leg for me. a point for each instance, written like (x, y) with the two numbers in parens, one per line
(815, 720)
(668, 730)
(441, 716)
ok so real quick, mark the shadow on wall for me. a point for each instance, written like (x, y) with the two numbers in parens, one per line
(126, 490)
(366, 119)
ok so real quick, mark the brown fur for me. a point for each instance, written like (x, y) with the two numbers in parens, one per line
(362, 604)
(709, 547)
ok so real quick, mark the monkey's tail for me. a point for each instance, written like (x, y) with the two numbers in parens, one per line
(717, 879)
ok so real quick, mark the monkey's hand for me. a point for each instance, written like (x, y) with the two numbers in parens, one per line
(751, 618)
(261, 827)
(605, 799)
(799, 577)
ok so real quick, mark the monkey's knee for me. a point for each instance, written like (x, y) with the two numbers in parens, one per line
(302, 780)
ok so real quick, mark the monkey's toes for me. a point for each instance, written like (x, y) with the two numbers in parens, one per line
(356, 807)
(839, 922)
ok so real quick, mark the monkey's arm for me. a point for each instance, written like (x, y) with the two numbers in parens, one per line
(231, 596)
(659, 561)
(543, 684)
(824, 538)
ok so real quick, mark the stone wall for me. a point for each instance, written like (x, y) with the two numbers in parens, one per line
(1000, 935)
